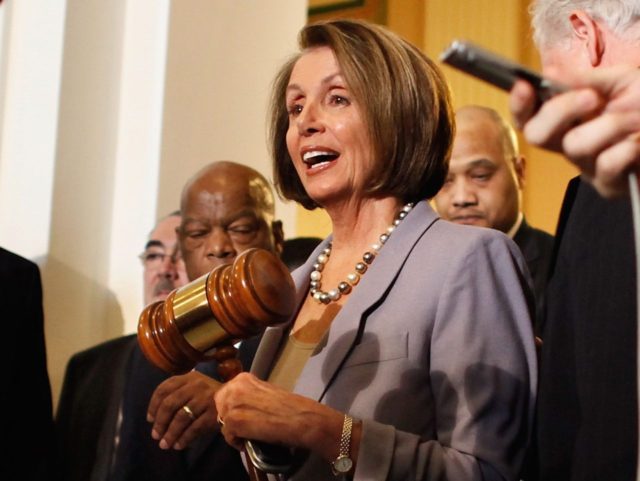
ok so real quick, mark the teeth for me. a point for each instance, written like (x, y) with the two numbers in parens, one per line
(313, 166)
(315, 153)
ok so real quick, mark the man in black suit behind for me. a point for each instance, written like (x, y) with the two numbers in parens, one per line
(25, 393)
(484, 188)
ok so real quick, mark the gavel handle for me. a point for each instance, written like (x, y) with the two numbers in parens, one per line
(229, 366)
(255, 474)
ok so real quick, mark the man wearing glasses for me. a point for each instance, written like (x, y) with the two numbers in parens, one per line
(163, 266)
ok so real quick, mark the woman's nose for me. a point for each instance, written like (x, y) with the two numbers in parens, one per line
(310, 120)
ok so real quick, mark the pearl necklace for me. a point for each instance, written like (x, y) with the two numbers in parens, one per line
(353, 278)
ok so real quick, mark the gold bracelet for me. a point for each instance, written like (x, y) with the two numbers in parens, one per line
(343, 463)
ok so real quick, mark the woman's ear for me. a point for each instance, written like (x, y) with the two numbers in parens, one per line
(587, 32)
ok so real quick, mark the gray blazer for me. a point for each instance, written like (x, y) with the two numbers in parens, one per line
(433, 351)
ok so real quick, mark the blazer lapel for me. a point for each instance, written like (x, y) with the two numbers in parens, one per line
(274, 336)
(337, 344)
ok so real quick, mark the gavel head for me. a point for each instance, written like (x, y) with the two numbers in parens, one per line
(233, 301)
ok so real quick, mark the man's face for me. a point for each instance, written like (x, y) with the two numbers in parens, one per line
(163, 266)
(222, 219)
(482, 186)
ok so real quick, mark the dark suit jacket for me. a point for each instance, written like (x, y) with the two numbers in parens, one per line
(587, 417)
(537, 248)
(88, 407)
(25, 393)
(98, 381)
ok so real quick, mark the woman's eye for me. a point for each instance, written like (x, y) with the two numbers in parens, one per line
(295, 109)
(339, 100)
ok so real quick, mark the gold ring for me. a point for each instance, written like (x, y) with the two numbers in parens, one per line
(189, 412)
(220, 421)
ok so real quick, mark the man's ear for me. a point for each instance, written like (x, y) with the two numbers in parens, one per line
(278, 236)
(587, 31)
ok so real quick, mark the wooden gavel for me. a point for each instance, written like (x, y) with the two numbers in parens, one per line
(200, 321)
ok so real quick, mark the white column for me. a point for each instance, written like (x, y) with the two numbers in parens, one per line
(81, 309)
(30, 66)
(138, 149)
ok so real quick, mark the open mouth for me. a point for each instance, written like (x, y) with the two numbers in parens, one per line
(318, 158)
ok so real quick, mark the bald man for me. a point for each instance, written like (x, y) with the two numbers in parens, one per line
(226, 208)
(484, 187)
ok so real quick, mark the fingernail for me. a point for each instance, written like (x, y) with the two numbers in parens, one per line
(154, 434)
(178, 446)
(149, 418)
(164, 445)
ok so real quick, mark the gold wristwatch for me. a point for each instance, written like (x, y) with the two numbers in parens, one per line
(343, 463)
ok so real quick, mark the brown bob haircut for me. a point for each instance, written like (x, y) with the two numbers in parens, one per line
(406, 106)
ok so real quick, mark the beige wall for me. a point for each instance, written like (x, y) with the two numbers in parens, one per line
(221, 59)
